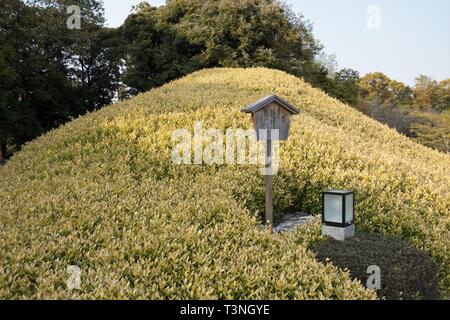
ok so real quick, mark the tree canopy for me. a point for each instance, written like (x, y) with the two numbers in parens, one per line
(161, 44)
(50, 74)
(432, 95)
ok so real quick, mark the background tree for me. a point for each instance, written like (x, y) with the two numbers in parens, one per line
(49, 73)
(433, 130)
(161, 44)
(24, 73)
(421, 113)
(377, 87)
(90, 53)
(345, 86)
(431, 95)
(154, 52)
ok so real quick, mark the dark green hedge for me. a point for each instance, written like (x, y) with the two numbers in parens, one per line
(406, 272)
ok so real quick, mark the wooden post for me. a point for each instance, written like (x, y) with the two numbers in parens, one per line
(269, 205)
(268, 179)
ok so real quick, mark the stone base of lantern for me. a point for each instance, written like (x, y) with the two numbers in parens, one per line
(339, 233)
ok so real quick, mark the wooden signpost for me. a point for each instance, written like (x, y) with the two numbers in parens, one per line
(272, 120)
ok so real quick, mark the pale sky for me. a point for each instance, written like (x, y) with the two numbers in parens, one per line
(401, 38)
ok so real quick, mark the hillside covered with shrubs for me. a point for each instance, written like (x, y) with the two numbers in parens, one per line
(102, 193)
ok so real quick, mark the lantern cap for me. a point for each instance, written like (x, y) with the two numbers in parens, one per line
(342, 192)
(258, 105)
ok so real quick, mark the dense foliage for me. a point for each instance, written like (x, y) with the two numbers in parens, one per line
(102, 193)
(432, 129)
(420, 113)
(406, 272)
(164, 43)
(51, 74)
(48, 73)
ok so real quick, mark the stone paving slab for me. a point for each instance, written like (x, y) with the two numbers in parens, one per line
(291, 221)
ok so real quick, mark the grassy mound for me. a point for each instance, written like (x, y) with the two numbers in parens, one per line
(102, 193)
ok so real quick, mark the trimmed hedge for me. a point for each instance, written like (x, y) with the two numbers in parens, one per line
(102, 193)
(406, 272)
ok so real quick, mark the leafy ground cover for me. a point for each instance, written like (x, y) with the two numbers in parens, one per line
(102, 193)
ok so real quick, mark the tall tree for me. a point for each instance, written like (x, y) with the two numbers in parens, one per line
(345, 86)
(49, 73)
(164, 43)
(431, 95)
(24, 73)
(380, 89)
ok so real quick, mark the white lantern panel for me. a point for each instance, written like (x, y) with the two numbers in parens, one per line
(349, 208)
(333, 208)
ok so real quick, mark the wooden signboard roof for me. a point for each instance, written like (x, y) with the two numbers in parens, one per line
(267, 101)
